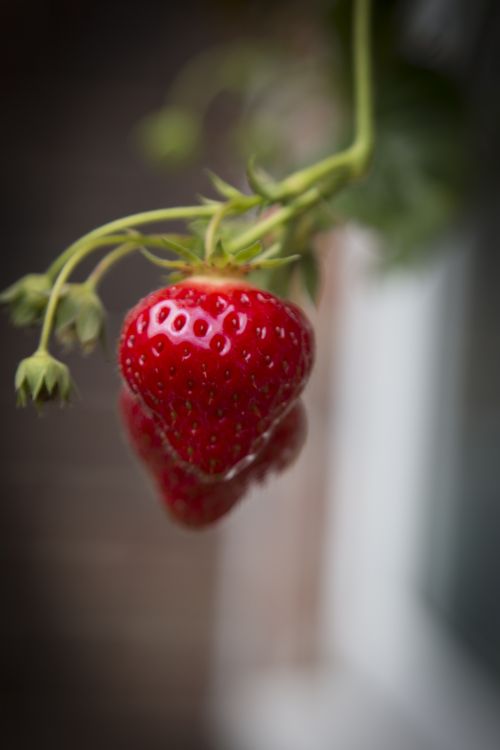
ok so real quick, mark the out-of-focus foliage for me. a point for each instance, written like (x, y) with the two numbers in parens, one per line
(285, 115)
(174, 134)
(295, 110)
(413, 189)
(170, 136)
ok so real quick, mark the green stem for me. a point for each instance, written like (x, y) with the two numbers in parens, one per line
(64, 273)
(146, 217)
(281, 216)
(339, 168)
(213, 227)
(79, 253)
(350, 163)
(363, 93)
(355, 158)
(106, 263)
(109, 260)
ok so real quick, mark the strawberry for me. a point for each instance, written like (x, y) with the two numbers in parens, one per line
(218, 362)
(189, 500)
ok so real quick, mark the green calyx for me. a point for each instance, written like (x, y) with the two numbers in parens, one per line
(27, 299)
(221, 262)
(42, 378)
(80, 317)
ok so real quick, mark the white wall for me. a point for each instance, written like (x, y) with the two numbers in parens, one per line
(389, 675)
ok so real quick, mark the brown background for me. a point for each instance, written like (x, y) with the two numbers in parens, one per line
(107, 609)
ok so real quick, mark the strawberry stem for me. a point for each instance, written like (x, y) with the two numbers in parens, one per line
(135, 220)
(348, 164)
(212, 229)
(106, 263)
(355, 159)
(296, 194)
(131, 243)
(62, 277)
(282, 216)
(339, 168)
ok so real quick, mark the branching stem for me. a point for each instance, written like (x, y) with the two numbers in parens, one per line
(302, 189)
(135, 220)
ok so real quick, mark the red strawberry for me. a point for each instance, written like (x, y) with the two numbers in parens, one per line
(218, 362)
(189, 500)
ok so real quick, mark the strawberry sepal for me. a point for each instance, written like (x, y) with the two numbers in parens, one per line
(27, 299)
(80, 318)
(41, 378)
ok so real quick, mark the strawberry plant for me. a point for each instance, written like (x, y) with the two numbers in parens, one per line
(216, 358)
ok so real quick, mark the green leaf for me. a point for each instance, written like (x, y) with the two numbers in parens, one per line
(413, 189)
(174, 277)
(223, 187)
(278, 262)
(208, 201)
(221, 252)
(181, 250)
(248, 253)
(271, 251)
(260, 182)
(407, 196)
(163, 262)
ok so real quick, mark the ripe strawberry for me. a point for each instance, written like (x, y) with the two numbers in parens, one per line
(191, 501)
(218, 362)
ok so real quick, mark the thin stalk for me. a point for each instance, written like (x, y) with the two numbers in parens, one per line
(213, 227)
(363, 88)
(357, 156)
(284, 214)
(79, 254)
(146, 217)
(106, 263)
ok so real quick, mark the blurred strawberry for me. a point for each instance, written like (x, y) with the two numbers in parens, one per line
(190, 500)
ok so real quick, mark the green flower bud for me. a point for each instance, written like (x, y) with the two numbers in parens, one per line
(27, 299)
(80, 317)
(41, 378)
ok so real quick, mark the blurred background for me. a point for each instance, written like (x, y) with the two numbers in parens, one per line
(354, 601)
